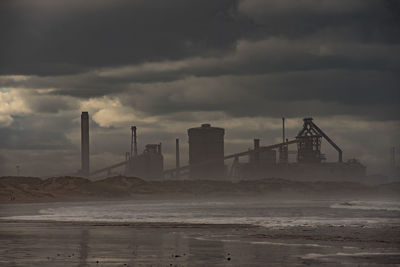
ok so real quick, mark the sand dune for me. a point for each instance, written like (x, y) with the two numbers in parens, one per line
(32, 189)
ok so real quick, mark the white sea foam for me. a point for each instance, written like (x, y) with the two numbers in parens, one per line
(288, 244)
(312, 256)
(200, 213)
(211, 238)
(368, 205)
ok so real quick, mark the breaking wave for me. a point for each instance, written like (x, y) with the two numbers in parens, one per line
(368, 205)
(214, 213)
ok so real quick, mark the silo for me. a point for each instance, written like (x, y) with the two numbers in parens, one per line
(206, 143)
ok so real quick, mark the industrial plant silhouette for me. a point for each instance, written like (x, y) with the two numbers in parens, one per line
(207, 158)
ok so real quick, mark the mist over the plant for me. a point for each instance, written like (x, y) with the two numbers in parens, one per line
(166, 66)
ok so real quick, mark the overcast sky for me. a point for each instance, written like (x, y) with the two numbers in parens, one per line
(166, 66)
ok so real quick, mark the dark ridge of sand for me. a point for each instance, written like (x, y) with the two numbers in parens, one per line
(33, 189)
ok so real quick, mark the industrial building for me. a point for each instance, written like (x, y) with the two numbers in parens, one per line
(149, 164)
(206, 143)
(310, 164)
(207, 159)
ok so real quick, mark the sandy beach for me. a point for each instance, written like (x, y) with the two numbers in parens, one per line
(220, 233)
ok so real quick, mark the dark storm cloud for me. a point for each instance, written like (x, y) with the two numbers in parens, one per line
(2, 162)
(60, 37)
(369, 94)
(33, 139)
(356, 20)
(37, 133)
(355, 39)
(268, 71)
(43, 103)
(55, 37)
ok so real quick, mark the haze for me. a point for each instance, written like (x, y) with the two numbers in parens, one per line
(166, 66)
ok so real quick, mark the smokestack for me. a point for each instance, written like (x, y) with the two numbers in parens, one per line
(177, 158)
(85, 143)
(257, 147)
(283, 130)
(133, 142)
(159, 148)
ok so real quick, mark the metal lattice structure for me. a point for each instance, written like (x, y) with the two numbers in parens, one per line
(309, 143)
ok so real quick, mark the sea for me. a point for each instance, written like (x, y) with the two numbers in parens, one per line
(266, 213)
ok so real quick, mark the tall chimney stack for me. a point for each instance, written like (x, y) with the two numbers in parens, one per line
(134, 142)
(283, 130)
(159, 149)
(256, 151)
(177, 158)
(85, 143)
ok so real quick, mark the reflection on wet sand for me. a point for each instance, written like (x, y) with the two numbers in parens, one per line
(198, 234)
(79, 244)
(84, 248)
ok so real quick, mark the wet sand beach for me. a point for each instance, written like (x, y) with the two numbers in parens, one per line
(297, 240)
